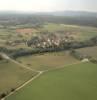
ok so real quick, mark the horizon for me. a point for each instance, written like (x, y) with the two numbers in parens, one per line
(17, 11)
(48, 5)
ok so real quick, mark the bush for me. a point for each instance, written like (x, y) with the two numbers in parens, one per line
(2, 95)
(13, 89)
(93, 60)
(75, 54)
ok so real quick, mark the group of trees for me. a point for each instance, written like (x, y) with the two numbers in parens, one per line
(12, 19)
(2, 95)
(76, 54)
(16, 42)
(62, 42)
(80, 56)
(64, 45)
(49, 39)
(6, 50)
(1, 58)
(93, 60)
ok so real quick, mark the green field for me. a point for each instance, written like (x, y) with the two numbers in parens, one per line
(12, 76)
(48, 61)
(89, 51)
(75, 82)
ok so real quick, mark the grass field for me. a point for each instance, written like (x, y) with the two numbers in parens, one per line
(89, 51)
(75, 82)
(48, 61)
(12, 76)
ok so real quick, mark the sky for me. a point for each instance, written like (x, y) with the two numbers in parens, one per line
(48, 5)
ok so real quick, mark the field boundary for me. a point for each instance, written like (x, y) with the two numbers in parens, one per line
(21, 65)
(35, 77)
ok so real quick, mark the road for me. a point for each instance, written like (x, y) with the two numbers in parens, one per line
(23, 85)
(21, 65)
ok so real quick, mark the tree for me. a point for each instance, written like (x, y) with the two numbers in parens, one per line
(13, 89)
(1, 58)
(2, 95)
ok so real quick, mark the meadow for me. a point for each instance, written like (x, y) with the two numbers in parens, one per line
(74, 82)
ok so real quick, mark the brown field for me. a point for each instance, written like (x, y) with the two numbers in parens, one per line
(48, 61)
(12, 76)
(25, 31)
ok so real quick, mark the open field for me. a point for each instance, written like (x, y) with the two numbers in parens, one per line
(46, 56)
(26, 30)
(47, 61)
(81, 32)
(74, 82)
(89, 51)
(12, 76)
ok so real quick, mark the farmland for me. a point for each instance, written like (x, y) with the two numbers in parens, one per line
(80, 32)
(48, 61)
(12, 76)
(74, 82)
(46, 58)
(16, 38)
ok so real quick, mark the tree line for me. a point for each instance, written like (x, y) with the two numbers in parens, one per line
(15, 53)
(62, 47)
(38, 20)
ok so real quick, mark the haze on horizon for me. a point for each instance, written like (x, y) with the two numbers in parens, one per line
(48, 5)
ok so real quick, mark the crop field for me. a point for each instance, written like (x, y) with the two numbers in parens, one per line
(12, 76)
(89, 51)
(48, 61)
(74, 82)
(26, 30)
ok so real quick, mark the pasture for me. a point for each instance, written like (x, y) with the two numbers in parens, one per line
(74, 82)
(12, 76)
(47, 61)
